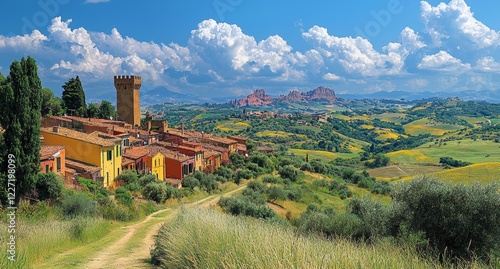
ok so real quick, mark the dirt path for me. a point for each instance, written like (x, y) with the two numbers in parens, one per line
(128, 246)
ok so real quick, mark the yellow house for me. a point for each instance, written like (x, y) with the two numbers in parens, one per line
(156, 161)
(98, 149)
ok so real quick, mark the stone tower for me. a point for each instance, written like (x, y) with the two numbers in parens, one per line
(128, 105)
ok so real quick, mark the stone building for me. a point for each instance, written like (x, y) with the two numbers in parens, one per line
(128, 104)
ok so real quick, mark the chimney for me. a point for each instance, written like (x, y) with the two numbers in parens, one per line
(55, 129)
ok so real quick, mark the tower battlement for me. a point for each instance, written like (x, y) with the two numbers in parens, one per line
(124, 81)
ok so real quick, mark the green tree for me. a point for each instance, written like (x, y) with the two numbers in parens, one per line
(20, 117)
(92, 111)
(106, 110)
(47, 95)
(51, 105)
(74, 96)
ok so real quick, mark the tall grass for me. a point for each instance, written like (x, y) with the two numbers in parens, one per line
(206, 239)
(36, 239)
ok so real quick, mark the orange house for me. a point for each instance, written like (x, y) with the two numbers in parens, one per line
(53, 159)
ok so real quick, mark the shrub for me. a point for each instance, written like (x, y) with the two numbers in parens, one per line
(123, 196)
(276, 193)
(224, 172)
(340, 189)
(49, 186)
(255, 168)
(270, 179)
(320, 183)
(78, 204)
(293, 193)
(306, 167)
(146, 179)
(374, 216)
(242, 174)
(88, 184)
(326, 223)
(155, 192)
(237, 159)
(130, 180)
(190, 182)
(289, 172)
(244, 205)
(295, 161)
(318, 166)
(457, 219)
(209, 184)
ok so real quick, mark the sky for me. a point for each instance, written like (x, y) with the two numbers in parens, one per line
(218, 48)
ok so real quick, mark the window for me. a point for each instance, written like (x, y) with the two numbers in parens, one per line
(46, 168)
(126, 142)
(118, 171)
(58, 160)
(110, 155)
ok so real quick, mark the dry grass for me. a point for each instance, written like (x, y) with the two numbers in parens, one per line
(207, 239)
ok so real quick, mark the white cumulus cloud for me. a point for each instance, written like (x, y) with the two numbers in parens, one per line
(454, 24)
(443, 61)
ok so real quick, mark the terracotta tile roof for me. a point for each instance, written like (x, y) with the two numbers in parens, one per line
(127, 161)
(215, 148)
(264, 148)
(198, 135)
(172, 145)
(61, 118)
(70, 171)
(241, 147)
(112, 125)
(82, 167)
(135, 153)
(106, 136)
(46, 152)
(89, 138)
(169, 154)
(209, 153)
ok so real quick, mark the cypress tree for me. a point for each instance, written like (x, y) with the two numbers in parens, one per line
(74, 96)
(20, 117)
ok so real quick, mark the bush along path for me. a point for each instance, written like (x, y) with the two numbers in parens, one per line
(126, 246)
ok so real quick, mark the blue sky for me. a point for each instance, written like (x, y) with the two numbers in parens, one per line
(232, 47)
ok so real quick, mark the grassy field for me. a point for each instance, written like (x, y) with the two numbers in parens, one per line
(474, 120)
(384, 134)
(465, 150)
(482, 173)
(207, 239)
(323, 155)
(36, 239)
(349, 118)
(405, 170)
(391, 117)
(278, 134)
(426, 126)
(233, 125)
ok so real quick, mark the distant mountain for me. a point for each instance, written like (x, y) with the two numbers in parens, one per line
(164, 95)
(483, 95)
(260, 98)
